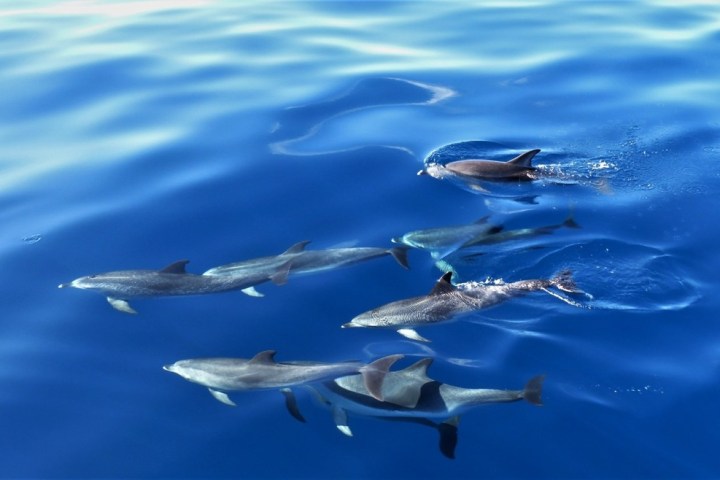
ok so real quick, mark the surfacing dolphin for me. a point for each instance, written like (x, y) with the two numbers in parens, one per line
(446, 302)
(410, 395)
(297, 260)
(222, 375)
(518, 169)
(173, 280)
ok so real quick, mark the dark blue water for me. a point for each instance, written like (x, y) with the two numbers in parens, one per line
(139, 133)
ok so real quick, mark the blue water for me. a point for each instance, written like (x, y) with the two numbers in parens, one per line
(134, 134)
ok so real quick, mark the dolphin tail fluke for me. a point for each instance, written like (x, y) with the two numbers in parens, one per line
(400, 255)
(448, 436)
(374, 374)
(533, 390)
(291, 404)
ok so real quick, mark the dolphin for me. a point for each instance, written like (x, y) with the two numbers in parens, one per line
(518, 169)
(298, 260)
(446, 301)
(442, 241)
(410, 395)
(172, 280)
(222, 375)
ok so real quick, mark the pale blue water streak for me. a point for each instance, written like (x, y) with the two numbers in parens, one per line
(135, 134)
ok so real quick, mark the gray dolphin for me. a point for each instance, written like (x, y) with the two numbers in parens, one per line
(172, 280)
(447, 301)
(442, 241)
(222, 375)
(517, 169)
(298, 260)
(410, 395)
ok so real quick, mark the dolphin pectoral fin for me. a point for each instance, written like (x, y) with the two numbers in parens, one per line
(221, 397)
(252, 292)
(448, 436)
(374, 374)
(412, 335)
(281, 276)
(291, 404)
(121, 305)
(340, 419)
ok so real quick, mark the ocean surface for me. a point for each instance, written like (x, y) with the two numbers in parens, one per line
(135, 134)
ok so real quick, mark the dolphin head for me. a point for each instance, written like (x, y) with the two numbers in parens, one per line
(435, 170)
(366, 319)
(89, 282)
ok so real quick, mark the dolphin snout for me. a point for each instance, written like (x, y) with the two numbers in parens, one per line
(63, 285)
(349, 325)
(422, 172)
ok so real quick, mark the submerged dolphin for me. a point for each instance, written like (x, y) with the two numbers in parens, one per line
(442, 241)
(172, 280)
(517, 169)
(298, 260)
(222, 375)
(410, 395)
(447, 301)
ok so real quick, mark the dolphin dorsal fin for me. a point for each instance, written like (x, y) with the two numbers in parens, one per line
(443, 285)
(524, 159)
(176, 267)
(297, 248)
(266, 356)
(419, 369)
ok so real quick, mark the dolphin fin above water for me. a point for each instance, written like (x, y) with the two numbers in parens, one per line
(443, 285)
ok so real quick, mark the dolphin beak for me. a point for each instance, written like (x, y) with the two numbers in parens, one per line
(63, 285)
(349, 325)
(422, 172)
(168, 368)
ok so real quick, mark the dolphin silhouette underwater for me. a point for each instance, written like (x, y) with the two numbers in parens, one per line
(446, 302)
(262, 372)
(442, 241)
(409, 395)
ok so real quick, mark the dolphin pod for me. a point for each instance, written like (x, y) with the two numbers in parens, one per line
(173, 280)
(364, 389)
(410, 395)
(221, 375)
